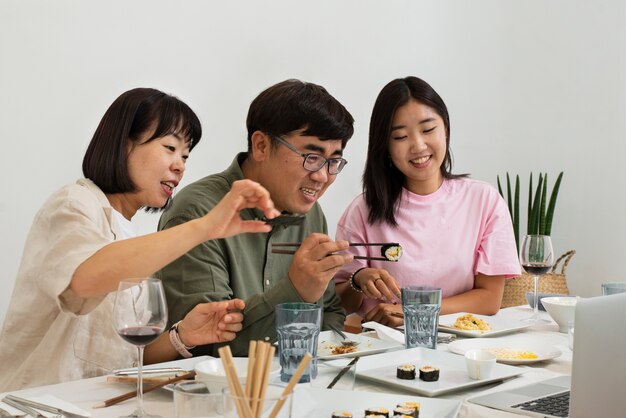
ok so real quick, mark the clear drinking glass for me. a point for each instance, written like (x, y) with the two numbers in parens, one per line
(537, 258)
(421, 306)
(139, 317)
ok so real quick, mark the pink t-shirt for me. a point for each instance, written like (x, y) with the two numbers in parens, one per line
(447, 237)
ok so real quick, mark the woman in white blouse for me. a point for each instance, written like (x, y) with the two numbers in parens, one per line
(81, 244)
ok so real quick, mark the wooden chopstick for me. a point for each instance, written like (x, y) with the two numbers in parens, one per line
(146, 389)
(294, 379)
(243, 408)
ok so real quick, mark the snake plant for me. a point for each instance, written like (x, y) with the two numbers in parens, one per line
(540, 211)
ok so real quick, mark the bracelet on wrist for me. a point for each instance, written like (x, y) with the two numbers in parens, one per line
(179, 346)
(353, 284)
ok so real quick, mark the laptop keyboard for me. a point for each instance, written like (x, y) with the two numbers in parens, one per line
(556, 405)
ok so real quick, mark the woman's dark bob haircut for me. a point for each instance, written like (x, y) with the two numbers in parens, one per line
(382, 181)
(132, 115)
(293, 104)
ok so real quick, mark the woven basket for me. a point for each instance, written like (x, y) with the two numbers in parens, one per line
(515, 289)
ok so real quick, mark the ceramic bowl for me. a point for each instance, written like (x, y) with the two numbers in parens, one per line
(212, 373)
(561, 309)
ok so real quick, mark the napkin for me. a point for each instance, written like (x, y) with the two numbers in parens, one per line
(384, 332)
(48, 400)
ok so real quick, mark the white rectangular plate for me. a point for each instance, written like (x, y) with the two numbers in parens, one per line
(321, 403)
(452, 375)
(328, 340)
(499, 325)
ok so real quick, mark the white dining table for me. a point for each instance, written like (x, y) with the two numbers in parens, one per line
(88, 392)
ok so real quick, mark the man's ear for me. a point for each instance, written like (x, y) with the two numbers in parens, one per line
(261, 145)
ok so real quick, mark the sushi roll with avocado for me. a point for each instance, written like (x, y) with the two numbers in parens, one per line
(429, 373)
(377, 411)
(406, 372)
(341, 414)
(391, 252)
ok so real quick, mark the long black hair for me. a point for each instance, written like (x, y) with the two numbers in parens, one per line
(382, 182)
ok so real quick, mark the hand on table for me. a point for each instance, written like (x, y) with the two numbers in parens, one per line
(383, 313)
(378, 284)
(212, 322)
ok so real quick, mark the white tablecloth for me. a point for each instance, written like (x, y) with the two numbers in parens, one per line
(88, 392)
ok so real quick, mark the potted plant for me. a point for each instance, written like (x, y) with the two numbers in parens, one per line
(540, 211)
(540, 214)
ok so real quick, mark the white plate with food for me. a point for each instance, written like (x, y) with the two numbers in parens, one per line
(452, 371)
(329, 345)
(315, 403)
(509, 353)
(478, 326)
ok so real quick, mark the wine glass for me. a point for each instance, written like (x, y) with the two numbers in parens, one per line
(139, 317)
(537, 257)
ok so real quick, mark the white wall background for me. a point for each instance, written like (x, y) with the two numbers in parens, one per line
(530, 85)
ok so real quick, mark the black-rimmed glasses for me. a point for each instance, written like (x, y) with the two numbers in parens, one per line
(315, 162)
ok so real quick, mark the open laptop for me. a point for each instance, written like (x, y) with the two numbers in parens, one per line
(598, 378)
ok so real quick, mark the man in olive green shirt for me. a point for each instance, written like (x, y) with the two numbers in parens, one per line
(296, 135)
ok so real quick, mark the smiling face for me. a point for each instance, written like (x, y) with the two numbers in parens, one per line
(280, 170)
(417, 146)
(155, 167)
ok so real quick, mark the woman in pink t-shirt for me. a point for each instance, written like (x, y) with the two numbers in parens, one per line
(456, 233)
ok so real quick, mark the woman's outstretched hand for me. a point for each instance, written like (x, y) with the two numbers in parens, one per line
(224, 219)
(212, 322)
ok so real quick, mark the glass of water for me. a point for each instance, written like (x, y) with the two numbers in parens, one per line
(297, 328)
(421, 306)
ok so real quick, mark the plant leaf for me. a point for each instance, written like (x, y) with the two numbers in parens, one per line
(552, 204)
(542, 207)
(516, 215)
(529, 220)
(534, 226)
(509, 196)
(500, 187)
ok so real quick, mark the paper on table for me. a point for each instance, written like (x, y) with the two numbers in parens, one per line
(384, 332)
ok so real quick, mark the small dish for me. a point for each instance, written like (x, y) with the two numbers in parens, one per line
(543, 352)
(212, 373)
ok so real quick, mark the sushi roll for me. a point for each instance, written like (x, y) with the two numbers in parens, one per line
(429, 373)
(413, 406)
(376, 416)
(400, 411)
(391, 252)
(341, 414)
(377, 411)
(406, 372)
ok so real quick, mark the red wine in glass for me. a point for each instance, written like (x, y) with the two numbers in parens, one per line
(536, 269)
(140, 335)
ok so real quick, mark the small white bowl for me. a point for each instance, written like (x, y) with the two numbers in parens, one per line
(479, 363)
(212, 373)
(561, 309)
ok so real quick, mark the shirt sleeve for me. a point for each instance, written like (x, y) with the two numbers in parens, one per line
(497, 253)
(61, 239)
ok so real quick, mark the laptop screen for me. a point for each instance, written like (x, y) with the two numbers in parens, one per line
(599, 358)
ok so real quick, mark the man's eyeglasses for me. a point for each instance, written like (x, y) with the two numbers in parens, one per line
(315, 162)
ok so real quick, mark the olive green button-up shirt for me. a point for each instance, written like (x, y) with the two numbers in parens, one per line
(238, 267)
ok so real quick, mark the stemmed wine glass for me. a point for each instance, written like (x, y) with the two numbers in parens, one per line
(537, 257)
(139, 317)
